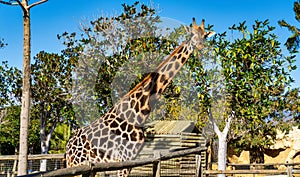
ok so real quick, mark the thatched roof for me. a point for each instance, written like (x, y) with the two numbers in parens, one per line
(172, 127)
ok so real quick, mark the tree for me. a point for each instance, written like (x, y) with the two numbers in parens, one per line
(10, 101)
(115, 53)
(25, 109)
(51, 78)
(293, 41)
(254, 87)
(116, 49)
(292, 97)
(51, 88)
(9, 137)
(10, 97)
(10, 86)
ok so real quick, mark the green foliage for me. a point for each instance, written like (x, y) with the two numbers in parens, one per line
(10, 95)
(51, 87)
(293, 41)
(52, 83)
(60, 139)
(10, 100)
(257, 81)
(9, 137)
(10, 85)
(10, 134)
(292, 98)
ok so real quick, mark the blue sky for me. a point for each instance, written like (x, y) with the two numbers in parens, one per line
(57, 16)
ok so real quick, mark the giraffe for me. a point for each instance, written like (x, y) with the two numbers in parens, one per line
(118, 135)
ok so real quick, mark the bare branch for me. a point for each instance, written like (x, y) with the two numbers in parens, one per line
(8, 3)
(25, 10)
(37, 3)
(52, 130)
(228, 122)
(212, 120)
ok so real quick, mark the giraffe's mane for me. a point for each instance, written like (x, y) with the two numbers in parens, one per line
(156, 70)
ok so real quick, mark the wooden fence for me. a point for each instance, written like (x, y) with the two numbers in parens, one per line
(271, 169)
(238, 170)
(161, 144)
(8, 163)
(86, 170)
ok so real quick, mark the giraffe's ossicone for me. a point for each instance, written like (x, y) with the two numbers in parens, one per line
(118, 135)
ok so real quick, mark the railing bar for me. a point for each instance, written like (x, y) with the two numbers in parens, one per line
(99, 167)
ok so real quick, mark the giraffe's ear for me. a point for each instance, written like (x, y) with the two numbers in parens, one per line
(209, 34)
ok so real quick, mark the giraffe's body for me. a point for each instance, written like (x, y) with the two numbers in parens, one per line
(118, 135)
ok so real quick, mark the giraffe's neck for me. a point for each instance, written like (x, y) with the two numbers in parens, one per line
(144, 95)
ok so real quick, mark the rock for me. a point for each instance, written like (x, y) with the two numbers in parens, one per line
(285, 150)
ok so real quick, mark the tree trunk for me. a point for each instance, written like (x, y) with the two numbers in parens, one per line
(44, 149)
(45, 139)
(44, 142)
(222, 137)
(25, 110)
(222, 151)
(256, 157)
(14, 169)
(210, 154)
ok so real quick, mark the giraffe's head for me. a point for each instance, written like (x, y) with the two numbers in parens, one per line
(199, 34)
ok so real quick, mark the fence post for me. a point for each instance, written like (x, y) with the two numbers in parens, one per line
(8, 173)
(289, 171)
(91, 174)
(156, 164)
(198, 166)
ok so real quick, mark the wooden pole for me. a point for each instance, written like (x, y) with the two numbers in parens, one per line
(156, 164)
(25, 108)
(289, 170)
(198, 166)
